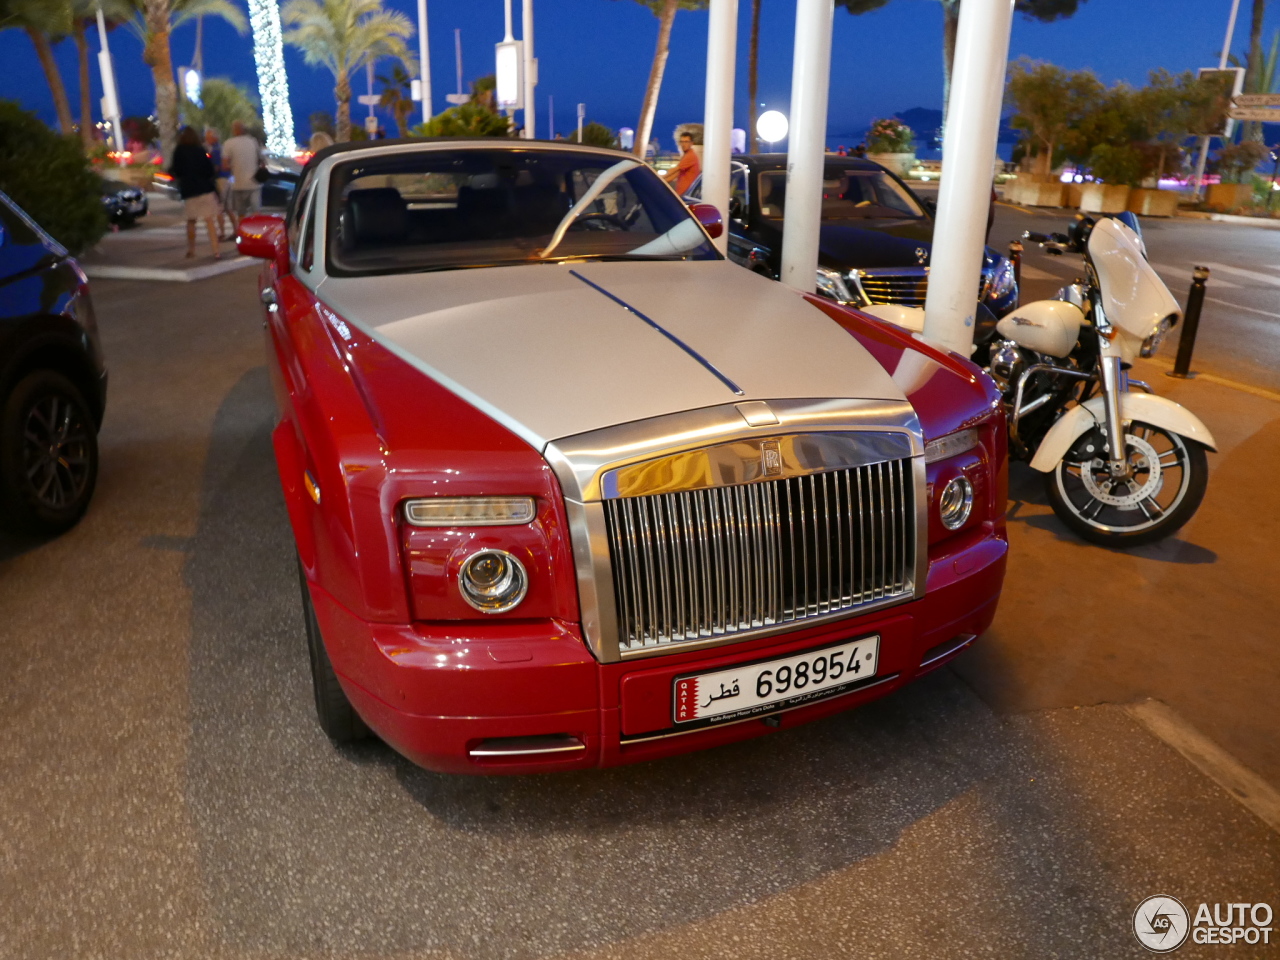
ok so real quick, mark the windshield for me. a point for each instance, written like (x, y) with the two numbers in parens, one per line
(846, 195)
(442, 209)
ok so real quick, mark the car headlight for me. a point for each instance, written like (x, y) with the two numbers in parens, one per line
(1003, 281)
(831, 284)
(1152, 343)
(470, 511)
(953, 444)
(492, 581)
(956, 503)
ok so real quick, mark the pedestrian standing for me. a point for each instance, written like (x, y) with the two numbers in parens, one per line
(213, 147)
(193, 171)
(242, 158)
(687, 170)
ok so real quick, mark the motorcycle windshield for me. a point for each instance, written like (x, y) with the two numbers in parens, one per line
(1134, 297)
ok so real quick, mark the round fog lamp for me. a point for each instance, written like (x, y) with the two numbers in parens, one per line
(956, 503)
(492, 581)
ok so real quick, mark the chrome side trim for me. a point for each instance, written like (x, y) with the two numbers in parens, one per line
(957, 643)
(666, 735)
(581, 461)
(711, 368)
(527, 746)
(598, 608)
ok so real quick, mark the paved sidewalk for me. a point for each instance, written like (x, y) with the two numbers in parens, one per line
(155, 249)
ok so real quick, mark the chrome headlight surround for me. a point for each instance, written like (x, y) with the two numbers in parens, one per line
(956, 503)
(1002, 281)
(470, 511)
(492, 581)
(830, 283)
(1152, 343)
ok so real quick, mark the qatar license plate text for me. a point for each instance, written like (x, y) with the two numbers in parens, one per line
(763, 687)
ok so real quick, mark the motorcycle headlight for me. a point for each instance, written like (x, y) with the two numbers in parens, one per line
(831, 284)
(1002, 279)
(1152, 343)
(492, 581)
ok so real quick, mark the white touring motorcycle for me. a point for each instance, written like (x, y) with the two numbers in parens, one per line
(1121, 468)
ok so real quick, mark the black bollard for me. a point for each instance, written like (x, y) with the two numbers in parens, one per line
(1190, 324)
(1015, 256)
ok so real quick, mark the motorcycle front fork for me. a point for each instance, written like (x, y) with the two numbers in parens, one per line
(1114, 383)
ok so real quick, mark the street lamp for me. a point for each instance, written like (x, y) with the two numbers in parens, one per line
(772, 126)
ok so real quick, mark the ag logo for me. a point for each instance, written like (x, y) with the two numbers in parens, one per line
(1161, 924)
(770, 458)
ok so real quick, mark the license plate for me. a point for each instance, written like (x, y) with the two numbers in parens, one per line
(763, 687)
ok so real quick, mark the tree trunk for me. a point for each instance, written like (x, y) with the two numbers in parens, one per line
(644, 129)
(342, 94)
(753, 77)
(1044, 159)
(1253, 75)
(50, 66)
(157, 55)
(950, 24)
(86, 92)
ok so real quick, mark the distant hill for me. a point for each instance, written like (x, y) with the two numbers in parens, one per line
(927, 124)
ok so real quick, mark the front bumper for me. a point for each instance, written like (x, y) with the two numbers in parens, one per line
(443, 694)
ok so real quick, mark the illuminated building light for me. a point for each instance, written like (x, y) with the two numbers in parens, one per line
(273, 84)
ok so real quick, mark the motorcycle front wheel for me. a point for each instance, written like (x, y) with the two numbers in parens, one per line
(1167, 479)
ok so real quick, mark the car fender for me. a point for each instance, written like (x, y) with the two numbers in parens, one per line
(1143, 407)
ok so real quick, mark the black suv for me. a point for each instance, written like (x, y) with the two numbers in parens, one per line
(876, 234)
(53, 384)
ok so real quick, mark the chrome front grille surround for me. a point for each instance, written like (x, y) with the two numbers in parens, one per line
(907, 286)
(724, 523)
(720, 561)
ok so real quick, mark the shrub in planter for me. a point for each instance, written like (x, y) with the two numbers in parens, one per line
(890, 135)
(1237, 159)
(49, 177)
(464, 120)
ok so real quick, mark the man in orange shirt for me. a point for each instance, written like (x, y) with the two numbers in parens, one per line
(688, 169)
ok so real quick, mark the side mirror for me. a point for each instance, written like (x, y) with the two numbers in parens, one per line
(709, 217)
(930, 206)
(263, 236)
(736, 209)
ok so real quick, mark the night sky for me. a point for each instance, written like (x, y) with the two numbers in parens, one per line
(599, 52)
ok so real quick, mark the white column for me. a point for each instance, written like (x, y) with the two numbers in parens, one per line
(717, 120)
(110, 101)
(424, 61)
(530, 71)
(968, 161)
(810, 80)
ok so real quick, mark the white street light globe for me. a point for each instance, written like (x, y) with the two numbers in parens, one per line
(772, 126)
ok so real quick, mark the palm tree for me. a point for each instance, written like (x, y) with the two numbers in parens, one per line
(344, 35)
(396, 89)
(154, 22)
(44, 23)
(665, 11)
(1254, 75)
(753, 78)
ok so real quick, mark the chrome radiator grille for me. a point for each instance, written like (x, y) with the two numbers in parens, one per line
(906, 289)
(720, 561)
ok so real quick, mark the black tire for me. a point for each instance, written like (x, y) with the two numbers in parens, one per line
(1174, 494)
(338, 719)
(48, 455)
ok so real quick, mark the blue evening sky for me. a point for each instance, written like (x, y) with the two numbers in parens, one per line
(599, 52)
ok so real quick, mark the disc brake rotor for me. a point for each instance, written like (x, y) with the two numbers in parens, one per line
(1117, 491)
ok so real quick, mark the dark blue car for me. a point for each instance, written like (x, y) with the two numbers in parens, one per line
(53, 383)
(876, 235)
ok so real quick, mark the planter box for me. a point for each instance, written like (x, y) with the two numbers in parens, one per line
(1072, 194)
(899, 163)
(1035, 193)
(1153, 203)
(1104, 197)
(1228, 196)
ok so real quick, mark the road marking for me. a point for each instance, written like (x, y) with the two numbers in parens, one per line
(1245, 787)
(1035, 273)
(1270, 278)
(103, 271)
(1249, 388)
(1240, 306)
(1006, 203)
(1184, 273)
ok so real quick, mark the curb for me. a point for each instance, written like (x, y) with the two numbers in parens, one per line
(1263, 222)
(102, 271)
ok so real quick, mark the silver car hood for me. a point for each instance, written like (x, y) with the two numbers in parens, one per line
(555, 350)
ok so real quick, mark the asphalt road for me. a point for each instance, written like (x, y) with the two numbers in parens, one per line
(168, 794)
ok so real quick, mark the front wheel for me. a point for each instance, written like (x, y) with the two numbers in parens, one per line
(334, 711)
(1167, 476)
